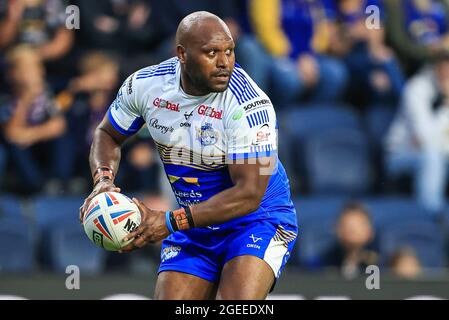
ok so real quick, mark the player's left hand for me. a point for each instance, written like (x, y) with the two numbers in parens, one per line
(152, 228)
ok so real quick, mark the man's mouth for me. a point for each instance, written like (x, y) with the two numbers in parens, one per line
(222, 76)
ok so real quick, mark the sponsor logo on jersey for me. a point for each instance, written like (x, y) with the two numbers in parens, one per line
(191, 180)
(184, 194)
(154, 123)
(116, 104)
(256, 105)
(188, 115)
(255, 239)
(237, 115)
(262, 134)
(130, 84)
(165, 104)
(170, 252)
(210, 112)
(257, 118)
(207, 135)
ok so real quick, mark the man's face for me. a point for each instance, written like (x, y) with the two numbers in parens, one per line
(354, 230)
(210, 62)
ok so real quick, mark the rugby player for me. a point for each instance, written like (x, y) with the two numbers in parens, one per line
(215, 131)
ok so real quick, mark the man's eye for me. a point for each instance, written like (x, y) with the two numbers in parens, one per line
(211, 52)
(229, 51)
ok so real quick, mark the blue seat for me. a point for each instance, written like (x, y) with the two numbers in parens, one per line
(16, 246)
(378, 121)
(69, 245)
(426, 238)
(316, 221)
(317, 208)
(338, 161)
(390, 210)
(315, 239)
(305, 121)
(10, 206)
(52, 211)
(296, 125)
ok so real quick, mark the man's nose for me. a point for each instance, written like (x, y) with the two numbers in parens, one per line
(222, 61)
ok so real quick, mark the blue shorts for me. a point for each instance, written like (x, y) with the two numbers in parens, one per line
(204, 251)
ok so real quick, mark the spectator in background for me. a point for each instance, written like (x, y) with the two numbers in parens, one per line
(418, 140)
(405, 264)
(353, 251)
(375, 75)
(299, 37)
(141, 169)
(418, 30)
(39, 23)
(247, 49)
(31, 121)
(130, 30)
(85, 101)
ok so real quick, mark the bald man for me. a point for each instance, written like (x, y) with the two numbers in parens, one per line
(216, 134)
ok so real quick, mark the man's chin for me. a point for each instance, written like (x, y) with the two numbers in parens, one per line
(219, 88)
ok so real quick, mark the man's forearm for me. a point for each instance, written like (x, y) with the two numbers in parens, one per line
(105, 151)
(224, 206)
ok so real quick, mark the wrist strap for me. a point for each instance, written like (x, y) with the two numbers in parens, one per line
(168, 222)
(180, 219)
(102, 173)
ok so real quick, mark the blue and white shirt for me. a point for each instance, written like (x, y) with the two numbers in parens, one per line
(198, 136)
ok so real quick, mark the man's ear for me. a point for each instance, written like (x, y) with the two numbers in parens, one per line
(181, 53)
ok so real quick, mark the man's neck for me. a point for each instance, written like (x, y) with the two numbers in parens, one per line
(189, 88)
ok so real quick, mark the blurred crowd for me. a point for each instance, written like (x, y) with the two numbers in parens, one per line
(363, 84)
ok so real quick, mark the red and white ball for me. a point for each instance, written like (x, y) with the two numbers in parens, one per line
(109, 218)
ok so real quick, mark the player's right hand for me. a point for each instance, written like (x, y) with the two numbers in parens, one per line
(102, 186)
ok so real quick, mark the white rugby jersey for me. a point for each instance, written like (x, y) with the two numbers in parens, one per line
(197, 136)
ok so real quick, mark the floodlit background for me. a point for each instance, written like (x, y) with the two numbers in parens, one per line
(361, 91)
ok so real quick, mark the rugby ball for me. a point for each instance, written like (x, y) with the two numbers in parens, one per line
(109, 218)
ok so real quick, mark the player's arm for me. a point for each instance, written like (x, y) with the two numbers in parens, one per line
(106, 147)
(121, 121)
(250, 183)
(104, 159)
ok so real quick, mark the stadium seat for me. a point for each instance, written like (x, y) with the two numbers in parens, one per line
(378, 121)
(10, 206)
(305, 121)
(315, 238)
(16, 246)
(51, 211)
(390, 210)
(298, 124)
(69, 245)
(338, 161)
(425, 237)
(316, 220)
(318, 207)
